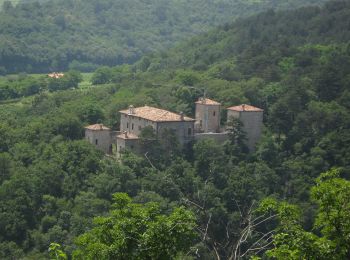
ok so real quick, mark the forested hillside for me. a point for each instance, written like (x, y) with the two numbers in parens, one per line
(255, 45)
(207, 201)
(58, 34)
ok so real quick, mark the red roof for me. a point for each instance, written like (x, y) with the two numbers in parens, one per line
(155, 114)
(207, 101)
(97, 127)
(245, 107)
(55, 75)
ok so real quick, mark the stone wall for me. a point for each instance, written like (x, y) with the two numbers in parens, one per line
(132, 145)
(184, 130)
(101, 139)
(134, 125)
(252, 125)
(220, 138)
(207, 118)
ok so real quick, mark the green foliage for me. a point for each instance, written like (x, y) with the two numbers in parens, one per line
(23, 85)
(236, 145)
(102, 75)
(56, 253)
(138, 232)
(293, 242)
(52, 184)
(108, 32)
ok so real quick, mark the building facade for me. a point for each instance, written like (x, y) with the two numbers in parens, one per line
(206, 125)
(207, 116)
(133, 120)
(100, 136)
(252, 120)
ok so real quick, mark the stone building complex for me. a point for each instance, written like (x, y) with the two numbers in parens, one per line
(186, 129)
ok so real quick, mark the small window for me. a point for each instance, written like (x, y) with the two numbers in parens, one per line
(132, 126)
(96, 141)
(126, 116)
(127, 125)
(189, 131)
(132, 147)
(201, 123)
(214, 113)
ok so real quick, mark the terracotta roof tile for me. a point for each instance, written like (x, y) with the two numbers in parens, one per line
(155, 114)
(97, 127)
(207, 101)
(55, 75)
(245, 107)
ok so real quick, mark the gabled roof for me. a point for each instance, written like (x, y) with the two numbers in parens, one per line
(207, 101)
(97, 127)
(245, 107)
(155, 114)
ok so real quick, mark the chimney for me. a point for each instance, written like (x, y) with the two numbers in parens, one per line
(243, 107)
(126, 134)
(182, 117)
(131, 110)
(101, 128)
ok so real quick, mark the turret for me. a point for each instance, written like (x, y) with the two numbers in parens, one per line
(252, 120)
(207, 116)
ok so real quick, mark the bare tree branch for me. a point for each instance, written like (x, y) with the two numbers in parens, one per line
(150, 161)
(206, 229)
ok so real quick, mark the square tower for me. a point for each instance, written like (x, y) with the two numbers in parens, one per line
(100, 136)
(207, 116)
(252, 120)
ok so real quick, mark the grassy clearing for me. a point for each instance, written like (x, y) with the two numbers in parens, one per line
(86, 81)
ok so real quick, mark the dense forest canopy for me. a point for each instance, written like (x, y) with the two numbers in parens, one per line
(246, 42)
(54, 35)
(287, 200)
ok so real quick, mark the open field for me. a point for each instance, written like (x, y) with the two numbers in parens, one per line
(84, 84)
(86, 80)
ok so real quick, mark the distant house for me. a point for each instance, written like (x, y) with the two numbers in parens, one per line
(186, 129)
(55, 75)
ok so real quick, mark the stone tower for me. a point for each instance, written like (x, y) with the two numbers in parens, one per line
(252, 119)
(100, 136)
(207, 116)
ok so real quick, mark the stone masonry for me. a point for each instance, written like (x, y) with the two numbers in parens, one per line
(206, 125)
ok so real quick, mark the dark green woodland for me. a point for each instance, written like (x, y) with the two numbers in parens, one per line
(60, 198)
(43, 36)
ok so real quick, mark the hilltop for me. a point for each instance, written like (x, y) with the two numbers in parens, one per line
(252, 45)
(57, 34)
